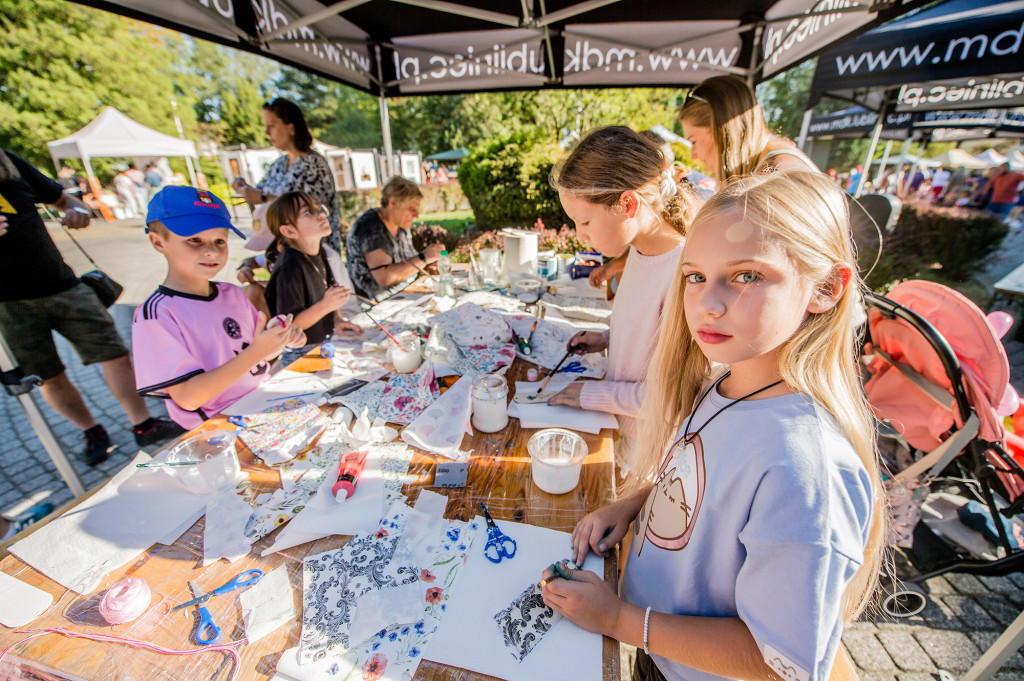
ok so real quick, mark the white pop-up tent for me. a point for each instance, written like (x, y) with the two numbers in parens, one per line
(112, 134)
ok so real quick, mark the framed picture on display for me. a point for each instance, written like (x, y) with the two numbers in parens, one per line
(364, 170)
(411, 166)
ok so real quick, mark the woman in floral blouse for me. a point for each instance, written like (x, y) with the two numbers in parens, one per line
(299, 169)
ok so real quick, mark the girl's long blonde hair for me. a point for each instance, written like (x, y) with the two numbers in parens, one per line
(808, 214)
(728, 107)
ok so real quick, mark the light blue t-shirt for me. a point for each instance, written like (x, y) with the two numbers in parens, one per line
(764, 516)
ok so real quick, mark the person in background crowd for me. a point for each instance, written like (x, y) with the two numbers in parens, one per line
(1005, 186)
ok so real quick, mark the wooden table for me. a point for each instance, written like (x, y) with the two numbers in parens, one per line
(499, 475)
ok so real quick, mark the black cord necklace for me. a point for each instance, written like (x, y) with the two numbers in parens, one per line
(687, 435)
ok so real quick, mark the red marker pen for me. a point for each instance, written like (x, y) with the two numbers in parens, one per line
(349, 469)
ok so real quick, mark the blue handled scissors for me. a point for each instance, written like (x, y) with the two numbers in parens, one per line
(574, 368)
(239, 421)
(206, 623)
(207, 632)
(499, 545)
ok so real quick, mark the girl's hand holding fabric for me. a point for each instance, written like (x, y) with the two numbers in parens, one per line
(586, 341)
(585, 599)
(604, 528)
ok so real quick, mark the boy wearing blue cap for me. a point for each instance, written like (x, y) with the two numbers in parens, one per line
(198, 343)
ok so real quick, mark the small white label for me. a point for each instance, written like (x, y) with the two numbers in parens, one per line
(783, 666)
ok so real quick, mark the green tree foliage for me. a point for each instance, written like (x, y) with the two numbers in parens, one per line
(61, 64)
(228, 87)
(784, 99)
(506, 182)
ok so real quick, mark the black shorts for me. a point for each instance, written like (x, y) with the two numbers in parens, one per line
(77, 314)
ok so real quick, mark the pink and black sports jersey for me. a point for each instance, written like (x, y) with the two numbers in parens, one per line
(176, 336)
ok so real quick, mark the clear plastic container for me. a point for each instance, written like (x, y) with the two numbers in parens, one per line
(445, 281)
(216, 466)
(406, 358)
(490, 402)
(556, 459)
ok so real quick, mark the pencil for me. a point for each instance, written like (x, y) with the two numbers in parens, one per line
(555, 370)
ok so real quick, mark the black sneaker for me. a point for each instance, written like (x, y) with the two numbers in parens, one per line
(156, 429)
(97, 445)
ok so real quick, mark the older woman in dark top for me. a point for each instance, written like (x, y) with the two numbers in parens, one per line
(299, 169)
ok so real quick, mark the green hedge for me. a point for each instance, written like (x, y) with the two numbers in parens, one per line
(506, 182)
(934, 242)
(437, 198)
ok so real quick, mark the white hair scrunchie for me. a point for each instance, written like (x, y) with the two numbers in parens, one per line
(669, 188)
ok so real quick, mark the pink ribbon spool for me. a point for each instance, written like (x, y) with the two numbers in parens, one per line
(125, 601)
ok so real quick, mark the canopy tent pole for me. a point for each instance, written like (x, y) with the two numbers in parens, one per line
(21, 387)
(885, 160)
(875, 135)
(805, 126)
(385, 122)
(181, 133)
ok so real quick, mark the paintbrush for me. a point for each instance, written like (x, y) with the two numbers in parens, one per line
(383, 329)
(555, 370)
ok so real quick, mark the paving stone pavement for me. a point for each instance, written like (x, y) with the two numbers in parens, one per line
(964, 615)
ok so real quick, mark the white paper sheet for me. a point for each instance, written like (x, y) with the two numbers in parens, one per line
(224, 536)
(558, 416)
(469, 637)
(20, 603)
(133, 511)
(324, 516)
(267, 604)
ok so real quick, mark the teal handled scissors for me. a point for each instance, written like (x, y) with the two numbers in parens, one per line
(208, 631)
(498, 545)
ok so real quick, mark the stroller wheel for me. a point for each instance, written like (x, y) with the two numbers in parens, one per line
(906, 600)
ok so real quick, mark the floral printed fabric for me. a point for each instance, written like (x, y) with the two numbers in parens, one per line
(395, 649)
(365, 399)
(469, 360)
(549, 342)
(406, 395)
(471, 325)
(277, 435)
(332, 581)
(525, 621)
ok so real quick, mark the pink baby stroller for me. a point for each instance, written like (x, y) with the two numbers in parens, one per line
(939, 384)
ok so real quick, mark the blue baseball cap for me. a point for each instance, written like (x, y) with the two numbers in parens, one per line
(187, 211)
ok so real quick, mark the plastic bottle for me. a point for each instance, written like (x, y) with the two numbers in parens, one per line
(445, 282)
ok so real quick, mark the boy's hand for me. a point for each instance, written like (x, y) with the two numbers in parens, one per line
(335, 297)
(584, 599)
(268, 342)
(296, 337)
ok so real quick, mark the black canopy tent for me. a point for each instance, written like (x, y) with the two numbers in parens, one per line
(410, 47)
(960, 54)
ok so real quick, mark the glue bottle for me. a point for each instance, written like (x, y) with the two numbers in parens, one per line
(349, 469)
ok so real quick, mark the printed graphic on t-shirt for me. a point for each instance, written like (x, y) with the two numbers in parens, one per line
(670, 513)
(6, 206)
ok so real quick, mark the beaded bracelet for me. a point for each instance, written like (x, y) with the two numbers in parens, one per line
(647, 618)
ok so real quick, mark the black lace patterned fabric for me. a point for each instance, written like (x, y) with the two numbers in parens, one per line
(525, 621)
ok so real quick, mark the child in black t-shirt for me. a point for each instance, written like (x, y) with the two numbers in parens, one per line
(302, 283)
